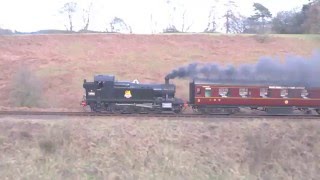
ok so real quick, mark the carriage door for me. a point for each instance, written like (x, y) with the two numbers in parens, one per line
(207, 92)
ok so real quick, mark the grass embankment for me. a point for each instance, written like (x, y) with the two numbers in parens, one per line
(97, 148)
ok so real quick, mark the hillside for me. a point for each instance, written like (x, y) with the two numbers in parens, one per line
(63, 61)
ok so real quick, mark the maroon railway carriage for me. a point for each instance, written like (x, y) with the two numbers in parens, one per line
(222, 98)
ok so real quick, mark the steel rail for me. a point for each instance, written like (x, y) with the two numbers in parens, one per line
(163, 115)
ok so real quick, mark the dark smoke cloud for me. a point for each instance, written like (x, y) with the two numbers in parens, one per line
(294, 71)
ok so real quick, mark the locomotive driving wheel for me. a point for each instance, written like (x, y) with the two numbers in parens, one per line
(195, 109)
(112, 108)
(93, 107)
(177, 109)
(143, 110)
(128, 110)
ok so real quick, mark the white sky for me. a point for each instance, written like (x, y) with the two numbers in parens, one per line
(33, 15)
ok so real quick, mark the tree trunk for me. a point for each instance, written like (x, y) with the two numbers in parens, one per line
(227, 24)
(263, 25)
(87, 25)
(70, 21)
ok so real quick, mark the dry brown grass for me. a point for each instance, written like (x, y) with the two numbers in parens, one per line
(129, 148)
(63, 61)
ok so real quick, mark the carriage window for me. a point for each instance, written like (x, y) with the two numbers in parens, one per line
(223, 92)
(263, 92)
(243, 92)
(198, 90)
(100, 85)
(208, 92)
(304, 93)
(284, 93)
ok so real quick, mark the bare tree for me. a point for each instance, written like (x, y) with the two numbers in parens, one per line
(238, 24)
(230, 16)
(211, 26)
(172, 9)
(86, 17)
(69, 8)
(176, 9)
(185, 28)
(153, 24)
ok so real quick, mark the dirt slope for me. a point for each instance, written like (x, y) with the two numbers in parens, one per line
(63, 61)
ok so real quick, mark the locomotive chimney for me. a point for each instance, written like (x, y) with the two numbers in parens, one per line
(166, 80)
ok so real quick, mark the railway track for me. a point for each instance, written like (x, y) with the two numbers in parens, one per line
(164, 115)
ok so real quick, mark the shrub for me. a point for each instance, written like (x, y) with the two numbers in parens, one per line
(56, 138)
(171, 29)
(47, 146)
(26, 89)
(5, 31)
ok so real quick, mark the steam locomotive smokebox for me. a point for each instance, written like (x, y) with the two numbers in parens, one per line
(103, 78)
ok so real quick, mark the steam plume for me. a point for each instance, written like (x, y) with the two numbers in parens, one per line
(294, 71)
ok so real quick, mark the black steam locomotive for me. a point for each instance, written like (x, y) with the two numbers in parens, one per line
(105, 94)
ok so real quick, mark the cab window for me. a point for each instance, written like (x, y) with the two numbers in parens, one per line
(100, 85)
